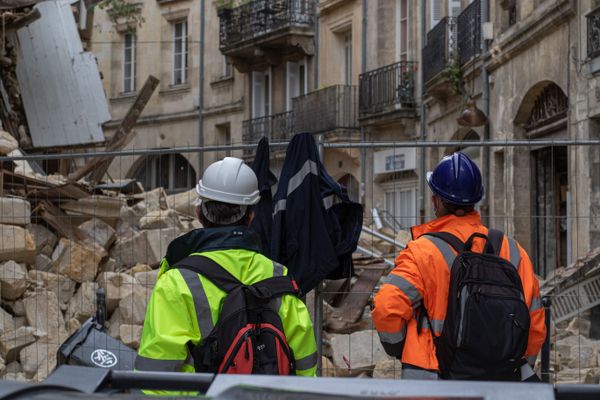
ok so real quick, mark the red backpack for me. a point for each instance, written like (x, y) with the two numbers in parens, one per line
(248, 337)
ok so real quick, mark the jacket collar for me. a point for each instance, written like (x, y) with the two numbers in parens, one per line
(448, 223)
(211, 239)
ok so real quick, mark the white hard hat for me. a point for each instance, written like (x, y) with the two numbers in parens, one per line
(229, 181)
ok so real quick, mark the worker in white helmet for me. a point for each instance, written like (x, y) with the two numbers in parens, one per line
(183, 330)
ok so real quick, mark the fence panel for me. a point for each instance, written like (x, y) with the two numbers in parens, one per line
(63, 240)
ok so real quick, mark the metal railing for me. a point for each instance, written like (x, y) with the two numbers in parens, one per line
(387, 87)
(440, 49)
(593, 34)
(276, 127)
(325, 110)
(258, 18)
(468, 27)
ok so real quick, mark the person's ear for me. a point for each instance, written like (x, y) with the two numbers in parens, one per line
(249, 217)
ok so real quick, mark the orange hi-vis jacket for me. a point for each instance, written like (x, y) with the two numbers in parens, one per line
(422, 276)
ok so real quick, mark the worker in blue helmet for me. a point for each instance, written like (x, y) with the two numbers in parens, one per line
(456, 185)
(419, 305)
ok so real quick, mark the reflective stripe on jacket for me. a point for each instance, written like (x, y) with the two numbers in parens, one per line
(422, 276)
(185, 306)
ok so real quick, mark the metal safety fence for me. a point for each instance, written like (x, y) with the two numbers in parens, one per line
(62, 239)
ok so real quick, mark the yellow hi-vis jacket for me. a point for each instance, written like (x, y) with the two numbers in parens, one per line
(185, 306)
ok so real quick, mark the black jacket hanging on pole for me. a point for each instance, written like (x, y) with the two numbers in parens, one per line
(315, 225)
(263, 211)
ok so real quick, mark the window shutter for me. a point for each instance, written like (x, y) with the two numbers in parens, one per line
(292, 83)
(258, 94)
(435, 12)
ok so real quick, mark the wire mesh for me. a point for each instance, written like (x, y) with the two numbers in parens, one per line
(62, 240)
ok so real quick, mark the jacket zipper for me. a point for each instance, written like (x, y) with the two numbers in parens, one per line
(236, 349)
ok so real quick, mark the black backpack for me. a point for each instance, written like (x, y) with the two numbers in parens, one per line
(485, 333)
(248, 337)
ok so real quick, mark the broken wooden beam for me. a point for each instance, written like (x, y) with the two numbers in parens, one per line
(58, 220)
(344, 318)
(123, 135)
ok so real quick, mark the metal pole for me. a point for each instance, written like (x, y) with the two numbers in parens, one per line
(316, 45)
(569, 228)
(547, 303)
(422, 117)
(363, 133)
(337, 145)
(201, 88)
(319, 295)
(382, 237)
(485, 93)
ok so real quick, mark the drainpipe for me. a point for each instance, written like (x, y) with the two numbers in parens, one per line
(316, 45)
(363, 133)
(201, 89)
(422, 125)
(485, 92)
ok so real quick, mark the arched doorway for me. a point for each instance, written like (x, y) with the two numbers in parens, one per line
(170, 171)
(543, 115)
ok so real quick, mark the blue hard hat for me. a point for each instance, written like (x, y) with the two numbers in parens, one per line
(457, 180)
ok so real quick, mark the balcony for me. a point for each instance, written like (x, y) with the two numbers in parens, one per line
(441, 49)
(332, 109)
(593, 35)
(263, 31)
(277, 127)
(468, 32)
(388, 90)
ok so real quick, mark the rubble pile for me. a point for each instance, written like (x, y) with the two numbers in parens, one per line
(575, 345)
(59, 242)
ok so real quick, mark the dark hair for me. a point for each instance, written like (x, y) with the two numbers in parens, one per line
(455, 208)
(223, 212)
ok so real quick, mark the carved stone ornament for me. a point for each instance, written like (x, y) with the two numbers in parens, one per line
(550, 105)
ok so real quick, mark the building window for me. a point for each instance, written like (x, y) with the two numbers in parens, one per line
(402, 30)
(170, 171)
(512, 15)
(296, 82)
(401, 207)
(180, 53)
(348, 58)
(223, 139)
(261, 93)
(129, 63)
(227, 71)
(435, 12)
(454, 8)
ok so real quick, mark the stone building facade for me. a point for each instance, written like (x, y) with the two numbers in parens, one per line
(541, 85)
(362, 70)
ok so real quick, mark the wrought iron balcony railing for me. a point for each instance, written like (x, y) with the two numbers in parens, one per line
(593, 34)
(468, 27)
(387, 88)
(441, 49)
(276, 127)
(327, 110)
(258, 18)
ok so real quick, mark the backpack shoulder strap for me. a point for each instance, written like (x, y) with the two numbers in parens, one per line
(494, 242)
(211, 271)
(276, 286)
(449, 238)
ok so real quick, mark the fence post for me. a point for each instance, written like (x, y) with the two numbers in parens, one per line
(547, 303)
(318, 293)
